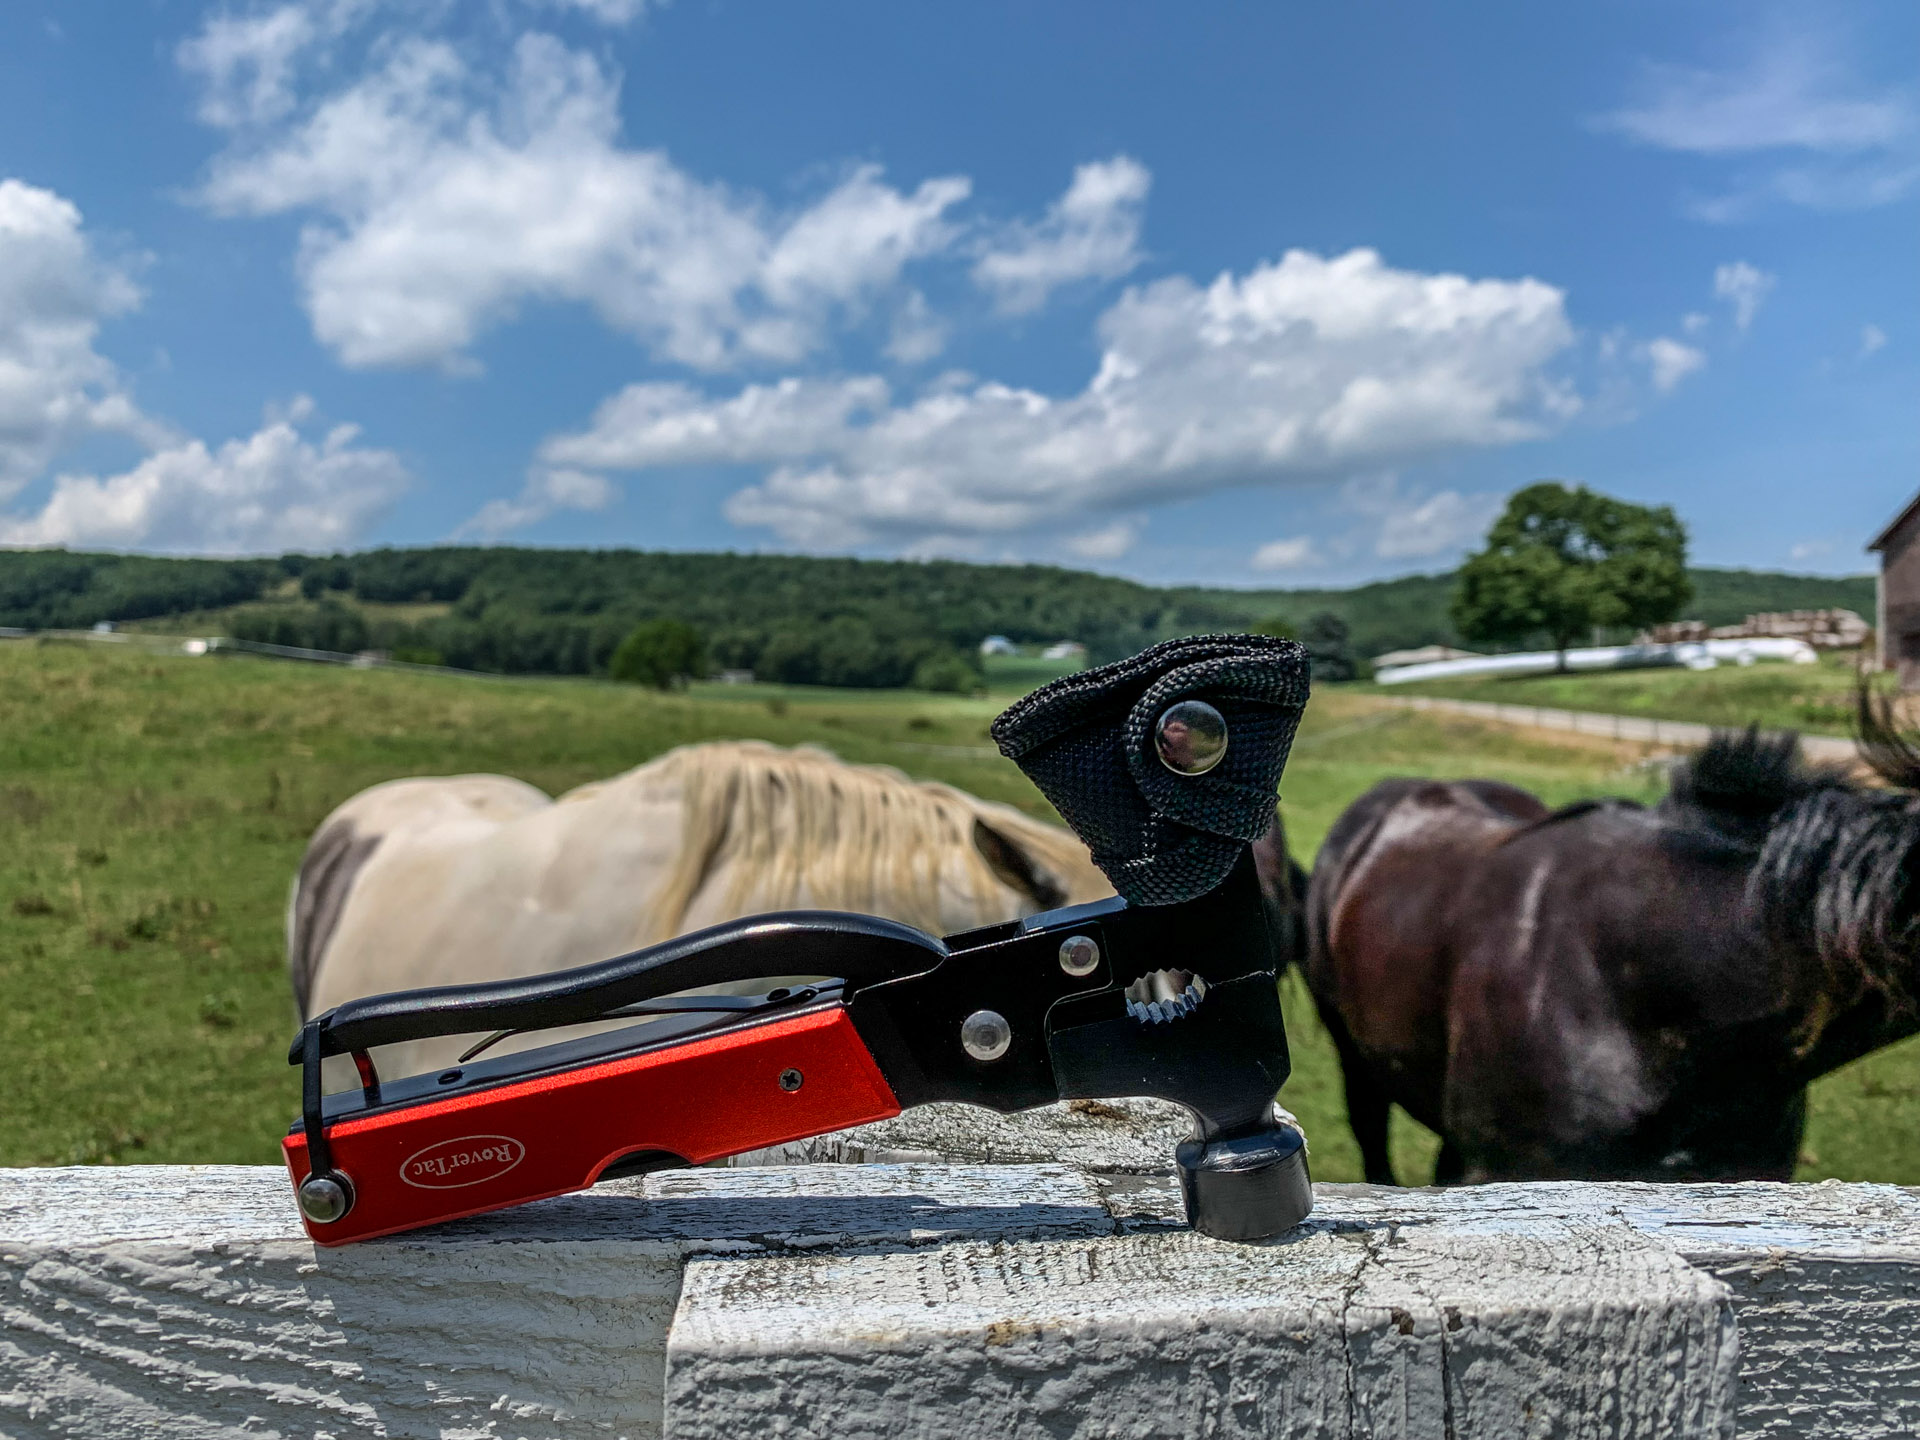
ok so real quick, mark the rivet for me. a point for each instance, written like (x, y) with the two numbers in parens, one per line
(324, 1199)
(1079, 955)
(985, 1035)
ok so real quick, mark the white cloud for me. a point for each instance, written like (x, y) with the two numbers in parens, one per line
(545, 492)
(607, 12)
(1742, 286)
(1872, 337)
(55, 388)
(1443, 522)
(1289, 554)
(1407, 527)
(1826, 187)
(248, 63)
(1810, 549)
(1785, 96)
(1108, 542)
(671, 424)
(1301, 369)
(274, 490)
(1090, 233)
(1669, 362)
(245, 63)
(1693, 322)
(858, 239)
(447, 175)
(918, 334)
(1789, 94)
(435, 211)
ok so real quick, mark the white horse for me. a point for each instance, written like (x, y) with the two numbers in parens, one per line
(440, 881)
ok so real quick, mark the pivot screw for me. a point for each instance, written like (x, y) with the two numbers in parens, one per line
(1079, 955)
(790, 1080)
(1191, 737)
(985, 1035)
(324, 1199)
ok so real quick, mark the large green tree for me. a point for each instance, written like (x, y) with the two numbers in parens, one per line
(660, 653)
(1564, 559)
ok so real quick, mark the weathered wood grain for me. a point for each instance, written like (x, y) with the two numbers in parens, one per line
(1825, 1283)
(185, 1301)
(922, 1299)
(1380, 1329)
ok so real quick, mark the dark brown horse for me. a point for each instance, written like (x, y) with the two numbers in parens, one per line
(1611, 991)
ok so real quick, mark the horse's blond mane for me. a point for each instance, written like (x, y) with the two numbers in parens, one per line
(801, 826)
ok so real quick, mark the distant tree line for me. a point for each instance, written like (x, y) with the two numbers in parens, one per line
(794, 619)
(56, 589)
(797, 619)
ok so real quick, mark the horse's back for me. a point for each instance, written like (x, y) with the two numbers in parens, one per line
(1420, 830)
(1380, 961)
(1527, 981)
(370, 828)
(485, 878)
(443, 885)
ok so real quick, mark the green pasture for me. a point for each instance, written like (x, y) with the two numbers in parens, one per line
(1815, 699)
(154, 809)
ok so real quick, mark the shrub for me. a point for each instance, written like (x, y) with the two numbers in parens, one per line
(660, 653)
(1325, 636)
(946, 674)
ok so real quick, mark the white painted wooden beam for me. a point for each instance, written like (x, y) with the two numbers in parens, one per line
(846, 1301)
(1560, 1328)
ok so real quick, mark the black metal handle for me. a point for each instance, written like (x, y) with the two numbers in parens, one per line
(860, 949)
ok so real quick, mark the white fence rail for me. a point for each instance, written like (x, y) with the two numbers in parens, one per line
(929, 1300)
(158, 644)
(1692, 654)
(1679, 733)
(1829, 749)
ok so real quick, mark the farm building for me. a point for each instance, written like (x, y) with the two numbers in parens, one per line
(1898, 622)
(1822, 629)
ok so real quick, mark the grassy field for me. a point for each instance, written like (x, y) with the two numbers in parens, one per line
(155, 809)
(1817, 699)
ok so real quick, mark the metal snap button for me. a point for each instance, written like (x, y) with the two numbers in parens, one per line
(1191, 737)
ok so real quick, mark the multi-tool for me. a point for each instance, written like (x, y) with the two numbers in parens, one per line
(1166, 765)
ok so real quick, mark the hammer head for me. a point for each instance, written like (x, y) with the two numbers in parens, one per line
(1168, 766)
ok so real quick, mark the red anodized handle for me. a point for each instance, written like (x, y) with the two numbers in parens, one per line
(549, 1135)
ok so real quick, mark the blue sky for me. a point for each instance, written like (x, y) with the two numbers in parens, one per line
(1241, 294)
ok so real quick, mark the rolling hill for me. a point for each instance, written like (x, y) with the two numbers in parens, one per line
(797, 618)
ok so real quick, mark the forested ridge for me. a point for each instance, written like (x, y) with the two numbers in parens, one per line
(796, 618)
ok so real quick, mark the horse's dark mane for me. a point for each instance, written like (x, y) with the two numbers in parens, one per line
(1834, 875)
(1740, 781)
(1888, 750)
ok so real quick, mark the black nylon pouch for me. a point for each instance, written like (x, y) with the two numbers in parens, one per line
(1087, 741)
